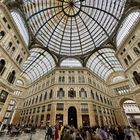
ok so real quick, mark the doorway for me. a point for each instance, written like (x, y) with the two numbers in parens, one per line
(72, 116)
(132, 112)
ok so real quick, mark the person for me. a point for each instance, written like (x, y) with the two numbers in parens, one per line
(96, 136)
(78, 136)
(88, 136)
(67, 135)
(56, 133)
(129, 133)
(102, 133)
(61, 132)
(49, 133)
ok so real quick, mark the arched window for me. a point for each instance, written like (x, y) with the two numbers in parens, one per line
(101, 98)
(13, 50)
(51, 94)
(2, 66)
(72, 93)
(83, 79)
(29, 101)
(59, 78)
(48, 117)
(12, 77)
(73, 79)
(63, 79)
(20, 61)
(36, 99)
(40, 98)
(105, 100)
(18, 57)
(33, 101)
(45, 96)
(136, 50)
(136, 77)
(82, 93)
(126, 62)
(2, 34)
(69, 79)
(26, 102)
(129, 58)
(9, 46)
(92, 94)
(20, 82)
(79, 79)
(97, 97)
(60, 93)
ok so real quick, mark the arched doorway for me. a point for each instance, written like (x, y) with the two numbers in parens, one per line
(72, 116)
(131, 110)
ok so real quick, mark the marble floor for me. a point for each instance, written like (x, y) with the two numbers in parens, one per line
(39, 135)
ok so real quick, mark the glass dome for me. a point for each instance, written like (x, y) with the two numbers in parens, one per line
(72, 27)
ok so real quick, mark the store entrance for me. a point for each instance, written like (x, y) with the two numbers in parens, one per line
(72, 116)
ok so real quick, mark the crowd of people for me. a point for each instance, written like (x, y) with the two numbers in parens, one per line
(16, 130)
(60, 132)
(91, 133)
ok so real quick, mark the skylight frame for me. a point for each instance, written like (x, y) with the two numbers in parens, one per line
(76, 35)
(126, 26)
(19, 21)
(103, 64)
(39, 63)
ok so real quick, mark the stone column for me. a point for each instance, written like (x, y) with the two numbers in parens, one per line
(121, 117)
(79, 116)
(53, 114)
(65, 114)
(91, 115)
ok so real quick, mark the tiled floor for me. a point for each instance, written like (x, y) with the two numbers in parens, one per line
(39, 135)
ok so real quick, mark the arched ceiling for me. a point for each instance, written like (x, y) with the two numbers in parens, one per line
(38, 64)
(21, 26)
(127, 25)
(72, 27)
(104, 62)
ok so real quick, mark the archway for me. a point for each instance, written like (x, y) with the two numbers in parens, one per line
(131, 111)
(72, 116)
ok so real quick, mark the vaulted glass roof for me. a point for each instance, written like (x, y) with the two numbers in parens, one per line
(38, 64)
(72, 27)
(21, 26)
(104, 62)
(126, 26)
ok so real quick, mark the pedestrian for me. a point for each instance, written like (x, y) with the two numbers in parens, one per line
(56, 135)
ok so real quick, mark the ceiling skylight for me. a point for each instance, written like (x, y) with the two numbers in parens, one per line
(38, 64)
(21, 26)
(104, 62)
(72, 27)
(126, 26)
